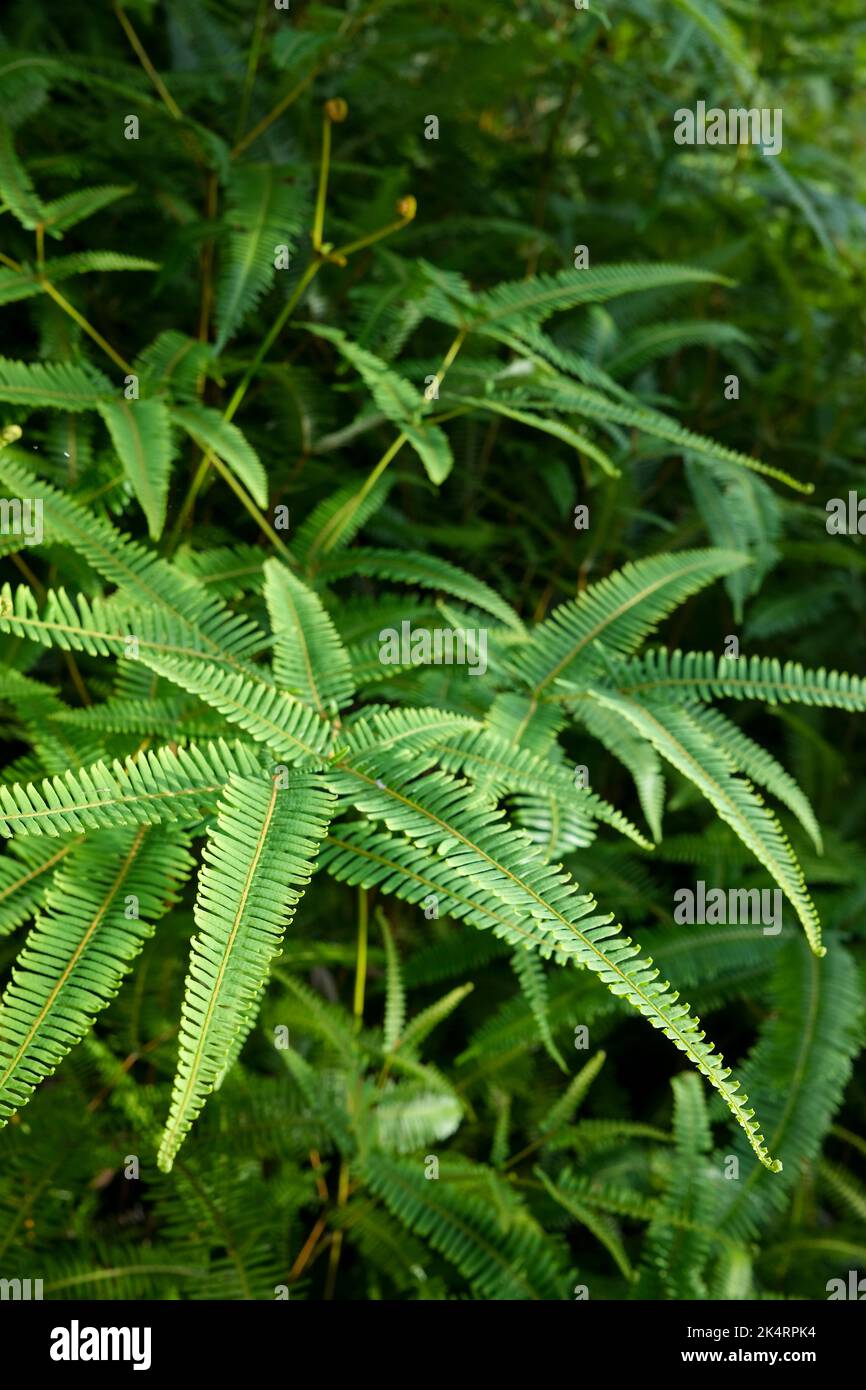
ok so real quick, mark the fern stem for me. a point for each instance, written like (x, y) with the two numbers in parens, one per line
(141, 55)
(337, 1238)
(306, 1251)
(252, 66)
(322, 194)
(271, 336)
(76, 678)
(83, 324)
(446, 362)
(274, 114)
(231, 409)
(35, 583)
(207, 266)
(361, 961)
(397, 225)
(243, 385)
(331, 532)
(349, 24)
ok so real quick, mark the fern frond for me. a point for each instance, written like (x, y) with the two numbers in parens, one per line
(706, 676)
(683, 742)
(334, 522)
(16, 187)
(164, 784)
(257, 862)
(141, 434)
(566, 1106)
(62, 213)
(648, 344)
(618, 611)
(533, 983)
(103, 627)
(499, 1261)
(635, 754)
(177, 362)
(679, 1250)
(290, 729)
(62, 385)
(382, 729)
(309, 660)
(25, 874)
(800, 1066)
(598, 1224)
(531, 301)
(399, 401)
(144, 578)
(546, 424)
(500, 768)
(760, 767)
(211, 431)
(437, 810)
(421, 1026)
(585, 400)
(264, 211)
(395, 991)
(739, 510)
(408, 1118)
(100, 910)
(133, 715)
(423, 571)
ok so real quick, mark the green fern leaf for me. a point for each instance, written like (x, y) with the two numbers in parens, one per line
(398, 400)
(679, 738)
(99, 911)
(532, 301)
(257, 862)
(263, 211)
(62, 213)
(15, 185)
(211, 431)
(149, 581)
(155, 785)
(272, 717)
(141, 434)
(309, 659)
(694, 676)
(618, 611)
(63, 385)
(25, 875)
(435, 810)
(499, 1262)
(424, 571)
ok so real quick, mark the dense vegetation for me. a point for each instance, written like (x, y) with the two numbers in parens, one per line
(417, 582)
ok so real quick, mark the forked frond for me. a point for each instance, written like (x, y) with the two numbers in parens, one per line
(437, 810)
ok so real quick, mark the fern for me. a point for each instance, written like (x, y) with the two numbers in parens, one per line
(264, 212)
(98, 913)
(141, 435)
(257, 857)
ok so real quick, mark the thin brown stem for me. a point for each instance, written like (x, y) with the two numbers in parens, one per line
(141, 54)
